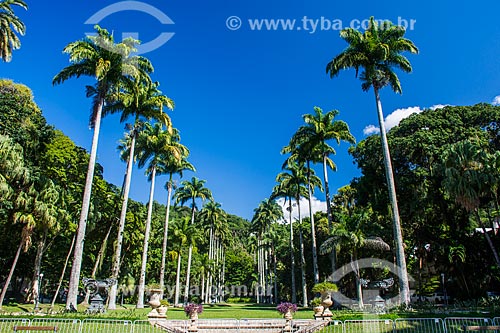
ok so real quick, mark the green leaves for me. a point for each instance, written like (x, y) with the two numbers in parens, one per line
(377, 51)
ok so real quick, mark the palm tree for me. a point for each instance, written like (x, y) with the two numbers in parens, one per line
(377, 52)
(111, 64)
(319, 129)
(265, 214)
(213, 219)
(170, 166)
(185, 233)
(189, 192)
(294, 180)
(9, 25)
(304, 151)
(154, 145)
(469, 177)
(141, 99)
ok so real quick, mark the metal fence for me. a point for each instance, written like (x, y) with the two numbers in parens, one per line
(454, 324)
(403, 325)
(419, 325)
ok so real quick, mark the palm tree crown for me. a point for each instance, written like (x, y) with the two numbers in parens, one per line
(376, 51)
(9, 25)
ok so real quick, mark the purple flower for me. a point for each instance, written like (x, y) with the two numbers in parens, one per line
(191, 308)
(285, 307)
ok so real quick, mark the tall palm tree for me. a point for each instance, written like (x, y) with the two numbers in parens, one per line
(10, 24)
(111, 64)
(170, 166)
(295, 180)
(377, 52)
(142, 100)
(189, 191)
(154, 145)
(303, 151)
(213, 219)
(319, 129)
(265, 214)
(185, 233)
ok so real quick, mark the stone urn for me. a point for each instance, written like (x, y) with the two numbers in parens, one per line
(154, 301)
(318, 311)
(193, 326)
(288, 317)
(326, 302)
(162, 311)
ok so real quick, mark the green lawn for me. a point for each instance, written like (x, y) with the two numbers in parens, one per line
(235, 311)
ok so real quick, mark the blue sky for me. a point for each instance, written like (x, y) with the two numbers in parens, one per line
(240, 94)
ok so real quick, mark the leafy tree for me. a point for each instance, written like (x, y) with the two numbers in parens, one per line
(377, 52)
(110, 63)
(10, 25)
(470, 176)
(15, 178)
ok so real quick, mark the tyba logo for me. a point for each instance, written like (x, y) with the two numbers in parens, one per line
(140, 7)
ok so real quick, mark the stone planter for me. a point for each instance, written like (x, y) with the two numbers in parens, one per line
(162, 311)
(193, 327)
(326, 302)
(154, 301)
(288, 317)
(318, 311)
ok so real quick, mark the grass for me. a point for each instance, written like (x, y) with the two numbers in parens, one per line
(220, 311)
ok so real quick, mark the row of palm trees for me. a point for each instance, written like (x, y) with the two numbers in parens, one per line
(123, 84)
(376, 52)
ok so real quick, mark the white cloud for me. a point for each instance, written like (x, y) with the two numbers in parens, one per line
(317, 205)
(371, 129)
(397, 115)
(438, 106)
(496, 100)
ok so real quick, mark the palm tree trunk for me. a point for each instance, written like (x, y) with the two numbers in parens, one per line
(190, 254)
(488, 238)
(313, 228)
(11, 272)
(404, 287)
(142, 278)
(121, 227)
(165, 237)
(292, 256)
(276, 296)
(333, 254)
(177, 278)
(74, 279)
(209, 273)
(61, 278)
(302, 260)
